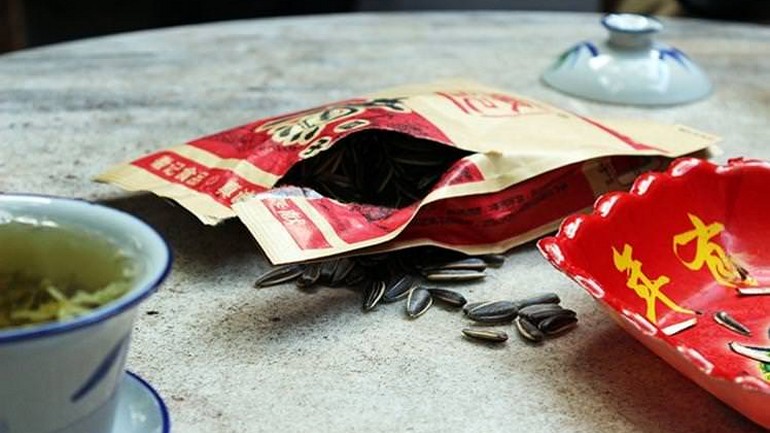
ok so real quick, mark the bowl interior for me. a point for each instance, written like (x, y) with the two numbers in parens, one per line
(675, 251)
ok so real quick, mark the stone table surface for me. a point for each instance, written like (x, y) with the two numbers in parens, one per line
(229, 358)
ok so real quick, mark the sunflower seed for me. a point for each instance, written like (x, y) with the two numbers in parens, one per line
(753, 291)
(761, 354)
(729, 322)
(399, 169)
(418, 302)
(397, 265)
(309, 276)
(471, 305)
(331, 163)
(327, 271)
(488, 306)
(356, 276)
(411, 159)
(399, 287)
(493, 312)
(557, 324)
(676, 328)
(469, 263)
(536, 313)
(528, 330)
(373, 293)
(341, 183)
(405, 190)
(742, 272)
(279, 275)
(493, 260)
(426, 181)
(545, 298)
(343, 268)
(451, 275)
(372, 259)
(448, 296)
(389, 172)
(491, 335)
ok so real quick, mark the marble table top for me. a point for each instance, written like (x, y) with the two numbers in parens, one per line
(229, 358)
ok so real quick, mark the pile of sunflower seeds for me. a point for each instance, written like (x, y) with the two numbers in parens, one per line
(535, 318)
(412, 275)
(383, 168)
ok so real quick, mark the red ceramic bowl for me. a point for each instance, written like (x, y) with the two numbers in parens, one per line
(669, 255)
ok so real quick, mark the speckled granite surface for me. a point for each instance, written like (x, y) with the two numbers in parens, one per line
(229, 358)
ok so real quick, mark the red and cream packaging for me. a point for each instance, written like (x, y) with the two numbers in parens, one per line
(531, 165)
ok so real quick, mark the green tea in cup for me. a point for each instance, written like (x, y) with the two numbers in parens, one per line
(50, 272)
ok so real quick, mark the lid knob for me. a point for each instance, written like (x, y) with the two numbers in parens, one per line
(631, 30)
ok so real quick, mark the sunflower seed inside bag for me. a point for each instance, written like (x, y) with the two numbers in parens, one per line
(384, 168)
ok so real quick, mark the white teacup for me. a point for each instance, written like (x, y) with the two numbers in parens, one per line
(63, 377)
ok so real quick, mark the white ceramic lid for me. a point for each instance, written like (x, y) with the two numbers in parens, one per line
(630, 67)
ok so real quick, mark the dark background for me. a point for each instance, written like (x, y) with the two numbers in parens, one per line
(29, 23)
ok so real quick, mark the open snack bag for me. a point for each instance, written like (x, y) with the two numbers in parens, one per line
(450, 164)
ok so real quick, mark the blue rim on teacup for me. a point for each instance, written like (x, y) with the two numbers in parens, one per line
(146, 286)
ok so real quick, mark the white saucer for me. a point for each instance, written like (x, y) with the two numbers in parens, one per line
(140, 408)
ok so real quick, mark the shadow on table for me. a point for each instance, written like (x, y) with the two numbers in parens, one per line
(276, 319)
(191, 240)
(632, 381)
(203, 253)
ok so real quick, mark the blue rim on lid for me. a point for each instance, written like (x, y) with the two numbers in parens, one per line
(114, 308)
(632, 23)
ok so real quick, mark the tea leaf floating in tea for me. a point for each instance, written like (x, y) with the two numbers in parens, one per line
(50, 272)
